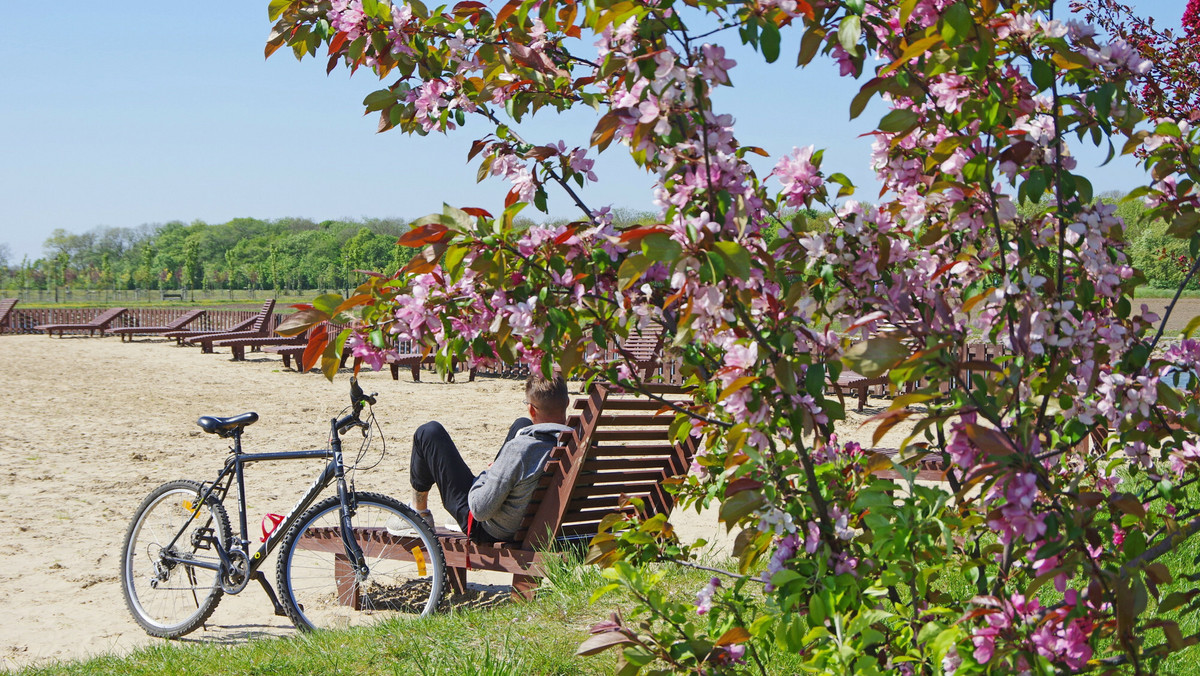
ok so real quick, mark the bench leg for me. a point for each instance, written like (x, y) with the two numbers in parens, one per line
(416, 371)
(239, 352)
(458, 579)
(524, 587)
(347, 587)
(395, 369)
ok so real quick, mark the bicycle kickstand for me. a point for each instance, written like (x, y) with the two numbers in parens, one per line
(262, 579)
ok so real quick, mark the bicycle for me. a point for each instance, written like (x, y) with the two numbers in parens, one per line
(339, 565)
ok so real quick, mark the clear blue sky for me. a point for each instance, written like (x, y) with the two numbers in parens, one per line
(121, 114)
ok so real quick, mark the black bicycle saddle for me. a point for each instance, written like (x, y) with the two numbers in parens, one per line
(225, 427)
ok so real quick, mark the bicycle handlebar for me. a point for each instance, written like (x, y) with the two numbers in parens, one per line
(358, 397)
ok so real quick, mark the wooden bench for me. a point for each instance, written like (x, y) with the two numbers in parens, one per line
(183, 336)
(99, 323)
(128, 332)
(620, 447)
(261, 327)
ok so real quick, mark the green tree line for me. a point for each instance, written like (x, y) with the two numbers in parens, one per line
(244, 253)
(297, 253)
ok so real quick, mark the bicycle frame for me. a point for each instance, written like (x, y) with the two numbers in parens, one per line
(235, 469)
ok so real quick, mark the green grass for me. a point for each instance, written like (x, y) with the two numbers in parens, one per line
(538, 637)
(1150, 292)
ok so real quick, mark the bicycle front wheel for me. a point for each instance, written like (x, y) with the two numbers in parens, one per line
(166, 592)
(405, 569)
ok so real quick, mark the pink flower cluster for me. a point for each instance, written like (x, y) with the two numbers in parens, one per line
(1016, 518)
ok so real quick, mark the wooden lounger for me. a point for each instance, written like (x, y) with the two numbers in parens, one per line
(100, 323)
(260, 327)
(128, 332)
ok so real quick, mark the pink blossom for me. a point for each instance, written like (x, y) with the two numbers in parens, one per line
(798, 176)
(704, 597)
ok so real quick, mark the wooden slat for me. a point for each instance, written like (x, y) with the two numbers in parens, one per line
(625, 464)
(652, 421)
(604, 435)
(660, 450)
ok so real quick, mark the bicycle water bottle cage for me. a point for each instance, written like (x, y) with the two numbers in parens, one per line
(226, 427)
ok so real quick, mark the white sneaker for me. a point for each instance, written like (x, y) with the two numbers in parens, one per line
(401, 527)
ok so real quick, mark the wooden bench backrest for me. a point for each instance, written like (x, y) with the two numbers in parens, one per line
(621, 447)
(260, 322)
(6, 306)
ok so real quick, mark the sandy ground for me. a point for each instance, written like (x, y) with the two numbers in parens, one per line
(88, 426)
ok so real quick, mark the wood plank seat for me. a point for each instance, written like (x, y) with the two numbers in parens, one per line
(184, 335)
(238, 344)
(860, 384)
(586, 479)
(6, 308)
(261, 327)
(128, 332)
(99, 323)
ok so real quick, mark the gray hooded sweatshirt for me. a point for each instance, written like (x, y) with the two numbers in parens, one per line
(500, 495)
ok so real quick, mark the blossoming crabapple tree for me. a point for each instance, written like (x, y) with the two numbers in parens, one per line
(1043, 552)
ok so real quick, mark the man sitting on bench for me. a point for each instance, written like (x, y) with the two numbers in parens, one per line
(496, 499)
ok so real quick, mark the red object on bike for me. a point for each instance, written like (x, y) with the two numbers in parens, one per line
(275, 520)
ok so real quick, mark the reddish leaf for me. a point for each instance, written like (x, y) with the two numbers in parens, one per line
(639, 233)
(507, 11)
(317, 341)
(303, 306)
(735, 635)
(353, 301)
(602, 135)
(601, 642)
(477, 212)
(477, 147)
(1129, 504)
(424, 234)
(511, 198)
(540, 153)
(742, 484)
(568, 234)
(989, 440)
(338, 41)
(300, 322)
(573, 32)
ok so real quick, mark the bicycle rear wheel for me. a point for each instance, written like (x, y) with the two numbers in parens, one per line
(319, 586)
(168, 595)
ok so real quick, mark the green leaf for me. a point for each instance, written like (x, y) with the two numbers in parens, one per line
(631, 270)
(327, 303)
(738, 506)
(1190, 329)
(276, 7)
(956, 23)
(659, 246)
(736, 257)
(1167, 129)
(849, 31)
(769, 42)
(1042, 73)
(1185, 224)
(809, 45)
(898, 120)
(874, 356)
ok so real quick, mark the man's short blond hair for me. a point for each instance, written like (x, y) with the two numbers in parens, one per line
(548, 395)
